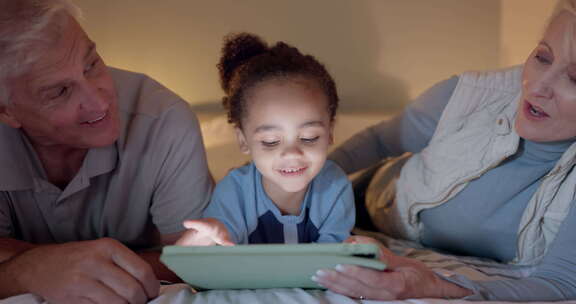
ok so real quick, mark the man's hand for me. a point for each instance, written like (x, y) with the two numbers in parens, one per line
(100, 271)
(205, 232)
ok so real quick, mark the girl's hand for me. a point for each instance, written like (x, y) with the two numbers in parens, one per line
(404, 278)
(205, 232)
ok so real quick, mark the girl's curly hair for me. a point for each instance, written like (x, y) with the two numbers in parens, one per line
(247, 61)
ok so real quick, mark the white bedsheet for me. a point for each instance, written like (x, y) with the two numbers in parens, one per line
(181, 294)
(474, 268)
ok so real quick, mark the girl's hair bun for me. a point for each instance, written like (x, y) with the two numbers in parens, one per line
(237, 50)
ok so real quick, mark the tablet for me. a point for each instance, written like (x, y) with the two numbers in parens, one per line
(263, 266)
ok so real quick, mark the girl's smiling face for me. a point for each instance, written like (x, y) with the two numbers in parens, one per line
(287, 131)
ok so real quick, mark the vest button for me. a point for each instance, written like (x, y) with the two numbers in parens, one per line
(500, 121)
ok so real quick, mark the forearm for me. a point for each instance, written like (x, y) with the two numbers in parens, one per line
(366, 148)
(12, 247)
(335, 226)
(553, 280)
(9, 285)
(9, 250)
(449, 290)
(409, 131)
(526, 289)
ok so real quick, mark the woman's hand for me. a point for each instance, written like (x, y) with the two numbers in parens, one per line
(404, 278)
(205, 232)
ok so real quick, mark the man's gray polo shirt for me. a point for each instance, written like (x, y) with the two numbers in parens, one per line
(148, 182)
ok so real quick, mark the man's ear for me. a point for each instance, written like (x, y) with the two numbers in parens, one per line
(7, 117)
(242, 141)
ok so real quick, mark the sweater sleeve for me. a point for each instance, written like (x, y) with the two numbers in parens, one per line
(553, 280)
(409, 131)
(339, 220)
(226, 206)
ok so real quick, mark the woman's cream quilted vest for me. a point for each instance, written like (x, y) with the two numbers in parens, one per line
(475, 133)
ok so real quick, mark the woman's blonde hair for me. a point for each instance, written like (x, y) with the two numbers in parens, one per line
(566, 6)
(563, 5)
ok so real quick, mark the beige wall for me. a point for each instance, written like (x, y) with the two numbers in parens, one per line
(382, 53)
(523, 23)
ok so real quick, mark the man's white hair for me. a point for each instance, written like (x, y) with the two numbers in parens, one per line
(23, 25)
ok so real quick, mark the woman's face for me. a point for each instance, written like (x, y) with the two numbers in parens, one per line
(547, 109)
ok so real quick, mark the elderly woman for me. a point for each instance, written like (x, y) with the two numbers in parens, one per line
(492, 152)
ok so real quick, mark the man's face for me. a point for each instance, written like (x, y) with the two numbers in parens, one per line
(67, 98)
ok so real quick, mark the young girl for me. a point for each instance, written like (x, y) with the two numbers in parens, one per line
(282, 104)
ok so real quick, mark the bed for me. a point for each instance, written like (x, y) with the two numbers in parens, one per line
(448, 264)
(223, 154)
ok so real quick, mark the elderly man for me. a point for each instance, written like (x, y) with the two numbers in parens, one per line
(93, 161)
